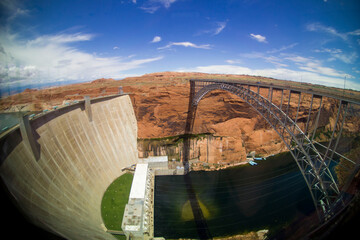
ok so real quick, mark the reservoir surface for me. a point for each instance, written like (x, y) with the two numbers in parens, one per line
(237, 200)
(8, 120)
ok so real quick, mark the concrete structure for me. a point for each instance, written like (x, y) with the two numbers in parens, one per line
(27, 136)
(138, 220)
(80, 155)
(88, 107)
(138, 186)
(166, 172)
(156, 162)
(161, 166)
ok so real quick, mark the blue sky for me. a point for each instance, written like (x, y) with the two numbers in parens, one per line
(55, 42)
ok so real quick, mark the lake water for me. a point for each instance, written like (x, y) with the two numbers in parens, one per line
(8, 120)
(233, 201)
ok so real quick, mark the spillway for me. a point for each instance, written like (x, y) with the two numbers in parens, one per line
(79, 157)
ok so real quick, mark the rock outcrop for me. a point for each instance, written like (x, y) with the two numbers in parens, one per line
(160, 103)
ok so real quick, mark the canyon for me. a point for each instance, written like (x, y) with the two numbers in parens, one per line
(226, 128)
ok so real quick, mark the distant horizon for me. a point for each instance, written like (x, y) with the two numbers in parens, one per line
(43, 86)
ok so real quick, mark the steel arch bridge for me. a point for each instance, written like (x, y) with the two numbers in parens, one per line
(313, 158)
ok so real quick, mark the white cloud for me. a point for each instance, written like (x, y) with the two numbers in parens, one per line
(355, 33)
(60, 39)
(275, 60)
(151, 6)
(12, 10)
(156, 39)
(268, 58)
(310, 65)
(50, 58)
(317, 27)
(317, 68)
(216, 29)
(297, 59)
(220, 27)
(165, 3)
(258, 38)
(185, 44)
(278, 73)
(355, 70)
(328, 50)
(313, 65)
(282, 48)
(150, 9)
(348, 37)
(223, 69)
(115, 47)
(235, 61)
(346, 58)
(19, 13)
(335, 53)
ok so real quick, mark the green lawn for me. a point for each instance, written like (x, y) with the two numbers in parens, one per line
(114, 200)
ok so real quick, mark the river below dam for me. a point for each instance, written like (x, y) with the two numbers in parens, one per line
(236, 200)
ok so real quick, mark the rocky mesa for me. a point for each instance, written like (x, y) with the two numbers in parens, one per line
(160, 102)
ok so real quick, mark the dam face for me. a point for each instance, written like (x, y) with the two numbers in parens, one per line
(62, 189)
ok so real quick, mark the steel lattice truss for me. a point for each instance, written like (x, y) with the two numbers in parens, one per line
(313, 159)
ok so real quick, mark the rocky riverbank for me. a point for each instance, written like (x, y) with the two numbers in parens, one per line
(255, 235)
(258, 235)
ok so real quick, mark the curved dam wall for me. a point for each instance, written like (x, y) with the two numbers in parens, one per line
(62, 189)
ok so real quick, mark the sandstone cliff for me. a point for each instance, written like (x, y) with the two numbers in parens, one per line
(160, 103)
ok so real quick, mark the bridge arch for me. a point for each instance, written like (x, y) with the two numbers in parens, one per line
(315, 170)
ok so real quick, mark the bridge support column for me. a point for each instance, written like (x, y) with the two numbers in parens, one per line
(188, 127)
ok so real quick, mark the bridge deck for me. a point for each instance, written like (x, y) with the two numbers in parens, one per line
(350, 96)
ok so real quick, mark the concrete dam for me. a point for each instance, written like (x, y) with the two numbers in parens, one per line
(58, 178)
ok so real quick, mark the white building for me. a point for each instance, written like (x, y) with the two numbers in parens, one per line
(138, 215)
(156, 162)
